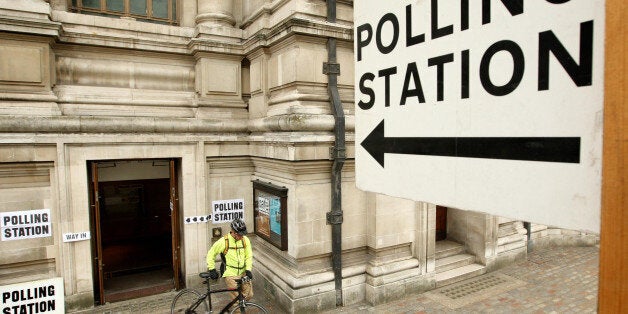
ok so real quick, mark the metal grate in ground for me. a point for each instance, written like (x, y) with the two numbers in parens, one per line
(473, 290)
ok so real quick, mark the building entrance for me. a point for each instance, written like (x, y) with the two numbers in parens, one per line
(135, 228)
(441, 223)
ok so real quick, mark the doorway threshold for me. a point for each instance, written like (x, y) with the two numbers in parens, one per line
(138, 285)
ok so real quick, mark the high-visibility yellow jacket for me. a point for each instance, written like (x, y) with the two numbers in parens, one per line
(239, 256)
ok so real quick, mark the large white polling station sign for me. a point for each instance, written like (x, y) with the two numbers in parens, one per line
(40, 296)
(493, 106)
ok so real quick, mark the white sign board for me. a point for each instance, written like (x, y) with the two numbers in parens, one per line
(25, 224)
(491, 106)
(41, 296)
(227, 210)
(76, 236)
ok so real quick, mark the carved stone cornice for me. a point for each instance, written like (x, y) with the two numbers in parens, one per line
(27, 17)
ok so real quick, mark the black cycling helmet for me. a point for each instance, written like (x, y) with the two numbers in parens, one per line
(238, 226)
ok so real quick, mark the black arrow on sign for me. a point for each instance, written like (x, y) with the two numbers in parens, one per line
(550, 149)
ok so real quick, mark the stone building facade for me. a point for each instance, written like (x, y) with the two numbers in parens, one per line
(126, 122)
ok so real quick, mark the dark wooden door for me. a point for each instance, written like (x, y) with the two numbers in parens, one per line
(174, 220)
(99, 285)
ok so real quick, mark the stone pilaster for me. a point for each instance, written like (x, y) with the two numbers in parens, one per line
(215, 13)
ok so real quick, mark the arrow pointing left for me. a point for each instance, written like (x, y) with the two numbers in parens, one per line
(548, 149)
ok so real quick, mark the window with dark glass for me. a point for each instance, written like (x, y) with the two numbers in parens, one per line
(156, 11)
(270, 213)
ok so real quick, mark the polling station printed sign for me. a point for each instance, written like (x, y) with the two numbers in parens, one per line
(41, 296)
(493, 106)
(227, 210)
(25, 224)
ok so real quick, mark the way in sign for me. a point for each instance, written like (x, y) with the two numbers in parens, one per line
(548, 149)
(78, 236)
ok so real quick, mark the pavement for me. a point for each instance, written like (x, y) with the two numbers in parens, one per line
(550, 280)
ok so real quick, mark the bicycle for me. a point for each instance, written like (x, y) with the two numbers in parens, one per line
(191, 301)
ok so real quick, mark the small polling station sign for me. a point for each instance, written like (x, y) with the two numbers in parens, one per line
(25, 224)
(493, 106)
(227, 210)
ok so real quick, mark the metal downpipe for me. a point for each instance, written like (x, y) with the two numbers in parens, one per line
(334, 217)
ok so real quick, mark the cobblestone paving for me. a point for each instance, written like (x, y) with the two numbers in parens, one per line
(557, 280)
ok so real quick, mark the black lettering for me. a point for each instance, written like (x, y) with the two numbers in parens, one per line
(412, 72)
(7, 233)
(464, 15)
(515, 7)
(7, 219)
(439, 32)
(464, 74)
(51, 305)
(363, 42)
(518, 68)
(41, 293)
(439, 62)
(581, 74)
(410, 39)
(386, 73)
(367, 91)
(389, 17)
(5, 297)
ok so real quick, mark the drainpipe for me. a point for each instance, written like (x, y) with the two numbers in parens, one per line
(334, 217)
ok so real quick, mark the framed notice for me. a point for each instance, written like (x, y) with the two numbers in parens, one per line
(270, 213)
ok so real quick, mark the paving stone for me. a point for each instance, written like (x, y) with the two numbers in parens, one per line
(557, 280)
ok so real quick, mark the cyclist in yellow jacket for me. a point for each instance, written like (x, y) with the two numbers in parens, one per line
(238, 256)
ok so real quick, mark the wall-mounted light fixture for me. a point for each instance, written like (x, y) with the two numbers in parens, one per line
(217, 232)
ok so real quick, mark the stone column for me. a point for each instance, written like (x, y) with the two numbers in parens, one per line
(215, 13)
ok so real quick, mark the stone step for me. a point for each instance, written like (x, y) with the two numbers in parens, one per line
(454, 261)
(447, 248)
(459, 274)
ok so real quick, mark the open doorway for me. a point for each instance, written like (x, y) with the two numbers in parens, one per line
(134, 227)
(441, 223)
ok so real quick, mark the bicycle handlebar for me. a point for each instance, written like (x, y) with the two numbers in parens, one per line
(205, 275)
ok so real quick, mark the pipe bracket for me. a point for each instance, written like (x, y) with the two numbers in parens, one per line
(330, 68)
(334, 218)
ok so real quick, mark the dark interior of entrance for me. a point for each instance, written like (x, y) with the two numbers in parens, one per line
(441, 223)
(135, 230)
(136, 236)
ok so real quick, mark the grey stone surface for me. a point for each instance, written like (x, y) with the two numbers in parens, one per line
(554, 280)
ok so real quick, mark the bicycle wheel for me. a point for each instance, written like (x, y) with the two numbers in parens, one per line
(249, 307)
(187, 301)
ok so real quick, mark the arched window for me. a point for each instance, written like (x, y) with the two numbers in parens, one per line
(155, 11)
